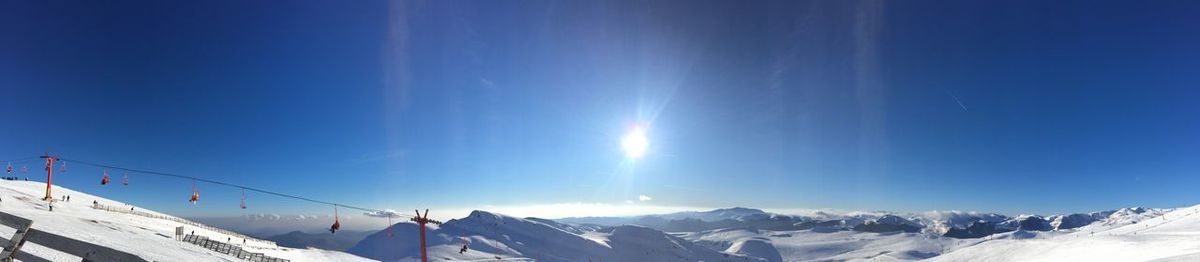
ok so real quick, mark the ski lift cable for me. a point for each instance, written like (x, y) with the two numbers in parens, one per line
(234, 186)
(23, 160)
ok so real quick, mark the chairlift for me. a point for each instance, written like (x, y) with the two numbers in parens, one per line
(63, 167)
(105, 180)
(125, 179)
(10, 169)
(195, 194)
(336, 223)
(243, 198)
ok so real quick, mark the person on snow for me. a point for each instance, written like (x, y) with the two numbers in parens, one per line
(51, 206)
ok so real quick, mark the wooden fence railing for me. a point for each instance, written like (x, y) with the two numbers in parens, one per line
(228, 249)
(25, 233)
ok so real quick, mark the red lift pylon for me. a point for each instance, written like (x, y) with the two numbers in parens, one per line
(422, 220)
(49, 174)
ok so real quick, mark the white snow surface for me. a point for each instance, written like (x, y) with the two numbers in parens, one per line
(827, 245)
(1127, 235)
(149, 238)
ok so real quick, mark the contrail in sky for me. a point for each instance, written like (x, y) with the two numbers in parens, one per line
(960, 104)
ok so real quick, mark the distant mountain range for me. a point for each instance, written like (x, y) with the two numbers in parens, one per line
(947, 223)
(730, 234)
(727, 234)
(494, 236)
(272, 225)
(344, 239)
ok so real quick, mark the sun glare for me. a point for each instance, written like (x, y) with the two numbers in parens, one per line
(635, 143)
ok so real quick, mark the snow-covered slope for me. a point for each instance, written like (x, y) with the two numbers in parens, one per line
(826, 245)
(149, 238)
(492, 236)
(1132, 234)
(746, 241)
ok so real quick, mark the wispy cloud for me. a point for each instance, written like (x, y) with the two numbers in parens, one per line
(644, 198)
(383, 213)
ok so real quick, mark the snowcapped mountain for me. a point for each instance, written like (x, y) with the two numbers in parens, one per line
(956, 224)
(942, 221)
(746, 241)
(697, 220)
(734, 233)
(1131, 234)
(888, 223)
(736, 213)
(496, 236)
(149, 238)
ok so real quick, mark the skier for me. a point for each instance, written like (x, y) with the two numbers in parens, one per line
(68, 198)
(51, 206)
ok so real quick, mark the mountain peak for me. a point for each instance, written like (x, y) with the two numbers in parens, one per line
(488, 216)
(740, 210)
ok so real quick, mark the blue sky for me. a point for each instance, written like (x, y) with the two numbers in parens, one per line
(1007, 106)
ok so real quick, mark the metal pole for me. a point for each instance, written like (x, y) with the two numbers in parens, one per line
(49, 175)
(424, 257)
(421, 221)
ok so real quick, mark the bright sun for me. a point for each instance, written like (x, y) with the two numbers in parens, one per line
(635, 143)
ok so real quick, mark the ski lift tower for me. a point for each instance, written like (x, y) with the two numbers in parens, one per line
(422, 220)
(49, 174)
